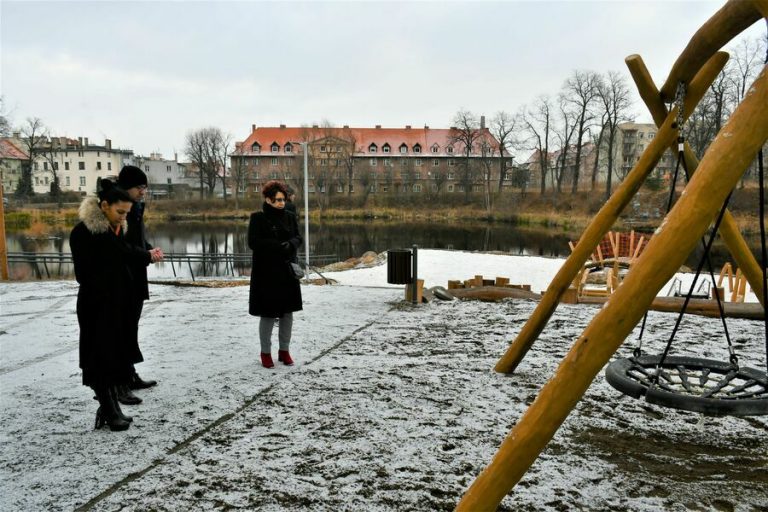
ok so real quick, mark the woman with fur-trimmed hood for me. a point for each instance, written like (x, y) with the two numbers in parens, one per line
(106, 296)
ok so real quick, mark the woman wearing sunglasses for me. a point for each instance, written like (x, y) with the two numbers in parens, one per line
(273, 236)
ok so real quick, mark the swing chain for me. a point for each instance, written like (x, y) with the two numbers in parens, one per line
(680, 119)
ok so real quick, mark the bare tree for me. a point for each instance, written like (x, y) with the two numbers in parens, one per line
(465, 133)
(33, 138)
(51, 154)
(580, 92)
(199, 148)
(615, 98)
(240, 171)
(5, 124)
(537, 120)
(504, 127)
(564, 133)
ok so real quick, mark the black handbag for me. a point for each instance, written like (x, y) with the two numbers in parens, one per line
(296, 270)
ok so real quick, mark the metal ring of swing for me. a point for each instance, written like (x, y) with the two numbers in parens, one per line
(692, 384)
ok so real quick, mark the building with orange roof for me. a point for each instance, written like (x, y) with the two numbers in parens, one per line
(362, 161)
(12, 160)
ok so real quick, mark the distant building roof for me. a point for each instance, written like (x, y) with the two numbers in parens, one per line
(425, 137)
(9, 150)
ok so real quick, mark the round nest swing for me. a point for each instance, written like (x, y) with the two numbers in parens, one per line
(692, 384)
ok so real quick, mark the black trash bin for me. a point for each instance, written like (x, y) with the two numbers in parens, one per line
(399, 266)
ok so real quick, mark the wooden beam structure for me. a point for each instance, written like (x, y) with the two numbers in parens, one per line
(605, 218)
(719, 171)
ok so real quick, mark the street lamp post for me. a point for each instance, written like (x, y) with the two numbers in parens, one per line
(305, 150)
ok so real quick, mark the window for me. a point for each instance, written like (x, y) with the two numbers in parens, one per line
(385, 148)
(66, 166)
(403, 149)
(66, 181)
(640, 135)
(417, 163)
(98, 166)
(387, 162)
(323, 149)
(322, 189)
(45, 166)
(373, 162)
(323, 163)
(451, 162)
(55, 166)
(81, 166)
(372, 148)
(450, 188)
(273, 161)
(82, 181)
(256, 148)
(435, 148)
(37, 180)
(451, 176)
(435, 162)
(109, 166)
(417, 188)
(275, 148)
(340, 188)
(417, 148)
(273, 176)
(312, 189)
(167, 168)
(169, 181)
(37, 166)
(288, 148)
(385, 188)
(449, 150)
(351, 189)
(146, 168)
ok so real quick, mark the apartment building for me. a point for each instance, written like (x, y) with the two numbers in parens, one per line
(166, 178)
(77, 163)
(12, 161)
(633, 140)
(366, 160)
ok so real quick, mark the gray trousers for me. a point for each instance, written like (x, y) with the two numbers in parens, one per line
(285, 325)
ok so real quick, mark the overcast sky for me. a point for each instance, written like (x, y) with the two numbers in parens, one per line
(145, 73)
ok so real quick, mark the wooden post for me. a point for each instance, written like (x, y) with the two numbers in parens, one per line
(729, 230)
(728, 156)
(603, 221)
(419, 291)
(3, 247)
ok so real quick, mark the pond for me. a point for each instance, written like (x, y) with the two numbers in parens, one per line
(329, 241)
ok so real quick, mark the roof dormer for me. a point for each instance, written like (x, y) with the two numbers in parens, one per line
(373, 148)
(386, 148)
(417, 148)
(403, 148)
(256, 147)
(275, 147)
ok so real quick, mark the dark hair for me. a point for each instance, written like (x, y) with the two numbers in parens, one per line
(271, 188)
(108, 191)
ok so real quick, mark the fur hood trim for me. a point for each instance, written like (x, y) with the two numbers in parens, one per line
(93, 218)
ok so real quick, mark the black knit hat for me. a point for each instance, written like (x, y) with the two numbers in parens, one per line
(131, 176)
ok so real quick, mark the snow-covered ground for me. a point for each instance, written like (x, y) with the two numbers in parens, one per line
(390, 407)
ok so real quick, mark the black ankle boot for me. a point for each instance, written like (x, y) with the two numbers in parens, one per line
(138, 383)
(107, 411)
(126, 397)
(113, 392)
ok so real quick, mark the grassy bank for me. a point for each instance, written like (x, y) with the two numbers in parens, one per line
(565, 211)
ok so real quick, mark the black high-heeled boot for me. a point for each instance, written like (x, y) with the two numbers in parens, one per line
(107, 411)
(113, 392)
(126, 397)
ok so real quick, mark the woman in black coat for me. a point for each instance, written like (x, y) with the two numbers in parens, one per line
(105, 300)
(273, 235)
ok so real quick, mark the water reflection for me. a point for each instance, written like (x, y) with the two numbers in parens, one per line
(338, 240)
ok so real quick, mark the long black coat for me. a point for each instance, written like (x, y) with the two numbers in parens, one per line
(136, 235)
(106, 300)
(274, 290)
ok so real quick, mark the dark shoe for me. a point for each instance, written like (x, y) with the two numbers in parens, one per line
(126, 397)
(138, 383)
(113, 392)
(285, 357)
(266, 360)
(106, 414)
